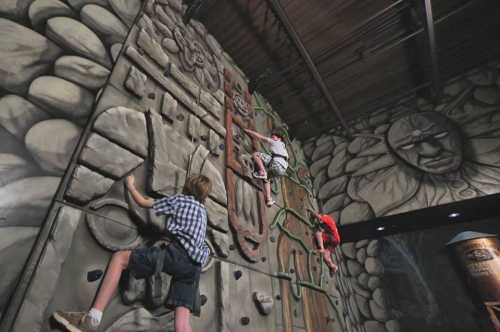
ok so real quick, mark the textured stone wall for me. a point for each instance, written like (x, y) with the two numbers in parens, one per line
(104, 89)
(55, 56)
(412, 155)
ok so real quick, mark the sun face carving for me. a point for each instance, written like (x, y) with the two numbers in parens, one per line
(417, 154)
(428, 141)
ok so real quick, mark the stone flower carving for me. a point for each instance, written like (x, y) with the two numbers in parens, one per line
(194, 57)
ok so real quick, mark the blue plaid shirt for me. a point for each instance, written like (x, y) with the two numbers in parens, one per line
(187, 222)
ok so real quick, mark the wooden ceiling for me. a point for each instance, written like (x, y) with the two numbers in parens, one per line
(367, 52)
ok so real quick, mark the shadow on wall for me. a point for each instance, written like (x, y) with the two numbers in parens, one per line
(415, 154)
(55, 56)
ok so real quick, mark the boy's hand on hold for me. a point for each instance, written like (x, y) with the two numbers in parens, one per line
(130, 182)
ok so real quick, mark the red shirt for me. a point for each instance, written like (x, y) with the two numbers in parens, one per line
(331, 237)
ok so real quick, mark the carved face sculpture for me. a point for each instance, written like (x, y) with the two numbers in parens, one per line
(428, 141)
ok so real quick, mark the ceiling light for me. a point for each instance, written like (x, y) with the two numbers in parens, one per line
(380, 228)
(454, 215)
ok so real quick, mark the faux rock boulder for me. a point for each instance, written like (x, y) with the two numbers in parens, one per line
(52, 152)
(18, 115)
(60, 97)
(82, 71)
(76, 37)
(104, 23)
(33, 54)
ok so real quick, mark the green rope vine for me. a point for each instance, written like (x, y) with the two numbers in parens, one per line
(281, 216)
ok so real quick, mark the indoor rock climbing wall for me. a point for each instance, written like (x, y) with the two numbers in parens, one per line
(55, 56)
(99, 89)
(411, 155)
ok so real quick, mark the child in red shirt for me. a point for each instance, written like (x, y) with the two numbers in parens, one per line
(327, 237)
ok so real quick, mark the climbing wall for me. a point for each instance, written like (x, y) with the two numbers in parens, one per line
(167, 102)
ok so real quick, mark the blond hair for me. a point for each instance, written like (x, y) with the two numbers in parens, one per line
(198, 186)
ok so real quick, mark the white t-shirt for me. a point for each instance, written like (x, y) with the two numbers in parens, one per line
(278, 147)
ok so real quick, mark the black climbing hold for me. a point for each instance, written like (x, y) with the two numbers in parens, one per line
(245, 320)
(278, 297)
(203, 299)
(152, 96)
(272, 239)
(292, 270)
(180, 117)
(237, 274)
(232, 247)
(263, 259)
(221, 146)
(94, 275)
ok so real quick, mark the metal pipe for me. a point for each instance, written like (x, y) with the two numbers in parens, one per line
(431, 39)
(419, 31)
(357, 33)
(294, 37)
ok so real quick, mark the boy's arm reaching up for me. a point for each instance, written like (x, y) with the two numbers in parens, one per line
(145, 202)
(257, 135)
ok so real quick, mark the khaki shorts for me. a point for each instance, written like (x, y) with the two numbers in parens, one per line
(274, 168)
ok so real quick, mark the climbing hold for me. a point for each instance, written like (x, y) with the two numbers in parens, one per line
(94, 275)
(245, 320)
(203, 299)
(237, 274)
(263, 302)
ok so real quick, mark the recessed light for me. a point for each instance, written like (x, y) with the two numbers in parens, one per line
(454, 215)
(380, 228)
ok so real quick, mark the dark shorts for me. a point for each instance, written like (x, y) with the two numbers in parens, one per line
(184, 286)
(329, 244)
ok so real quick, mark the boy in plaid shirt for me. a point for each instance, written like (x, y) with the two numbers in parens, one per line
(184, 257)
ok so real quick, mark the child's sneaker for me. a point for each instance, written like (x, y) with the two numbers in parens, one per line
(74, 321)
(270, 203)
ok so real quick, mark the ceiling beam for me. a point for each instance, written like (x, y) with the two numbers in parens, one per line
(294, 37)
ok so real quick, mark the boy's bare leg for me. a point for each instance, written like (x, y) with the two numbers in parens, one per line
(89, 321)
(328, 260)
(119, 262)
(267, 190)
(182, 323)
(260, 164)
